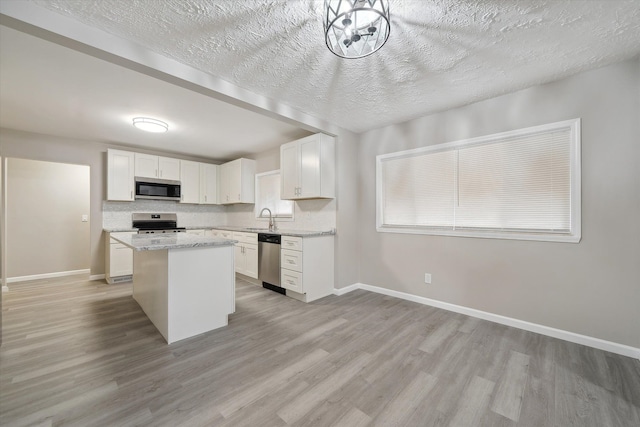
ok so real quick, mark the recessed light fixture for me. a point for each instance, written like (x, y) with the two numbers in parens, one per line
(150, 125)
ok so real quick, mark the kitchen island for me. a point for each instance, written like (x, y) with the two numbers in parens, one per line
(184, 283)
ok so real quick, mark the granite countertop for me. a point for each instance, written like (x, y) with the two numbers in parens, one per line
(285, 232)
(293, 233)
(156, 242)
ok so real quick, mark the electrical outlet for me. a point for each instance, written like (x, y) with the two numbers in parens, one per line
(427, 278)
(85, 218)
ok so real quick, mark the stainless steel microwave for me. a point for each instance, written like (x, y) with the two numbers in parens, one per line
(157, 189)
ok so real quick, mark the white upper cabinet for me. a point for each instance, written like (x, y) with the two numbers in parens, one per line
(209, 184)
(169, 168)
(149, 166)
(120, 173)
(237, 182)
(307, 168)
(190, 181)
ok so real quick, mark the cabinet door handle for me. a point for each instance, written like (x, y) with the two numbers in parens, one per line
(132, 194)
(157, 172)
(205, 198)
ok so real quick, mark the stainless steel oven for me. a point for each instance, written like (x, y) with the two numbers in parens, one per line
(150, 223)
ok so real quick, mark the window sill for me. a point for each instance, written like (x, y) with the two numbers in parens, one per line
(542, 237)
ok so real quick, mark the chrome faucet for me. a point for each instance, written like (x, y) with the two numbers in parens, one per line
(272, 223)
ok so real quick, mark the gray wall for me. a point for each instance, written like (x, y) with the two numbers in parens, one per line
(45, 205)
(26, 145)
(32, 146)
(590, 288)
(347, 242)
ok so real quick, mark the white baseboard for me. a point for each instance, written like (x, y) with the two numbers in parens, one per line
(46, 275)
(97, 277)
(598, 343)
(347, 289)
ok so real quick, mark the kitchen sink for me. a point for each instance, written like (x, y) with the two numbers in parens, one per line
(256, 229)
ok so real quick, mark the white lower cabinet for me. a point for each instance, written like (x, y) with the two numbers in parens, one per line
(246, 252)
(307, 267)
(225, 234)
(291, 280)
(119, 260)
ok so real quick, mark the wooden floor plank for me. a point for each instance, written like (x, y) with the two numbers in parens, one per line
(78, 352)
(508, 397)
(473, 403)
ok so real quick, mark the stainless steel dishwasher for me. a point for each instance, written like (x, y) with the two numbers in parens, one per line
(269, 261)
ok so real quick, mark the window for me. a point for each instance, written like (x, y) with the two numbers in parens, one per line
(268, 196)
(523, 184)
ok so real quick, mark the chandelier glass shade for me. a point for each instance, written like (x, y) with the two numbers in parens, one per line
(356, 28)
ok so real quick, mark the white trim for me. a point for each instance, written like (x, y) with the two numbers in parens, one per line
(257, 209)
(347, 289)
(598, 343)
(5, 288)
(46, 275)
(97, 277)
(573, 236)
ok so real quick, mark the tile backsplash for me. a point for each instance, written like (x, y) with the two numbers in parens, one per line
(317, 214)
(118, 214)
(312, 215)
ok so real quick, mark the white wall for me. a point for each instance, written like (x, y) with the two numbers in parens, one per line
(45, 205)
(590, 288)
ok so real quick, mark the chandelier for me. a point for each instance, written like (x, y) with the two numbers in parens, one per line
(356, 28)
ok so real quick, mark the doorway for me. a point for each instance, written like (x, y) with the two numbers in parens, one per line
(47, 219)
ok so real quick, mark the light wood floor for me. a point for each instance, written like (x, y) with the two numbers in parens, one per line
(82, 353)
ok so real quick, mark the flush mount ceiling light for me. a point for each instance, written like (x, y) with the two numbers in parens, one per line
(356, 28)
(150, 125)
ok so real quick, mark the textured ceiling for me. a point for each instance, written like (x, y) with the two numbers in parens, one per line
(441, 53)
(50, 89)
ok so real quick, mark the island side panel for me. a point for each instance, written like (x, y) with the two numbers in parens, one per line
(201, 290)
(150, 287)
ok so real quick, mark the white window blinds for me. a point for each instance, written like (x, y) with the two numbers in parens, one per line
(268, 196)
(521, 184)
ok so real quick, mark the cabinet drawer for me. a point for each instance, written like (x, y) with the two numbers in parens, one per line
(293, 243)
(291, 260)
(243, 237)
(291, 280)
